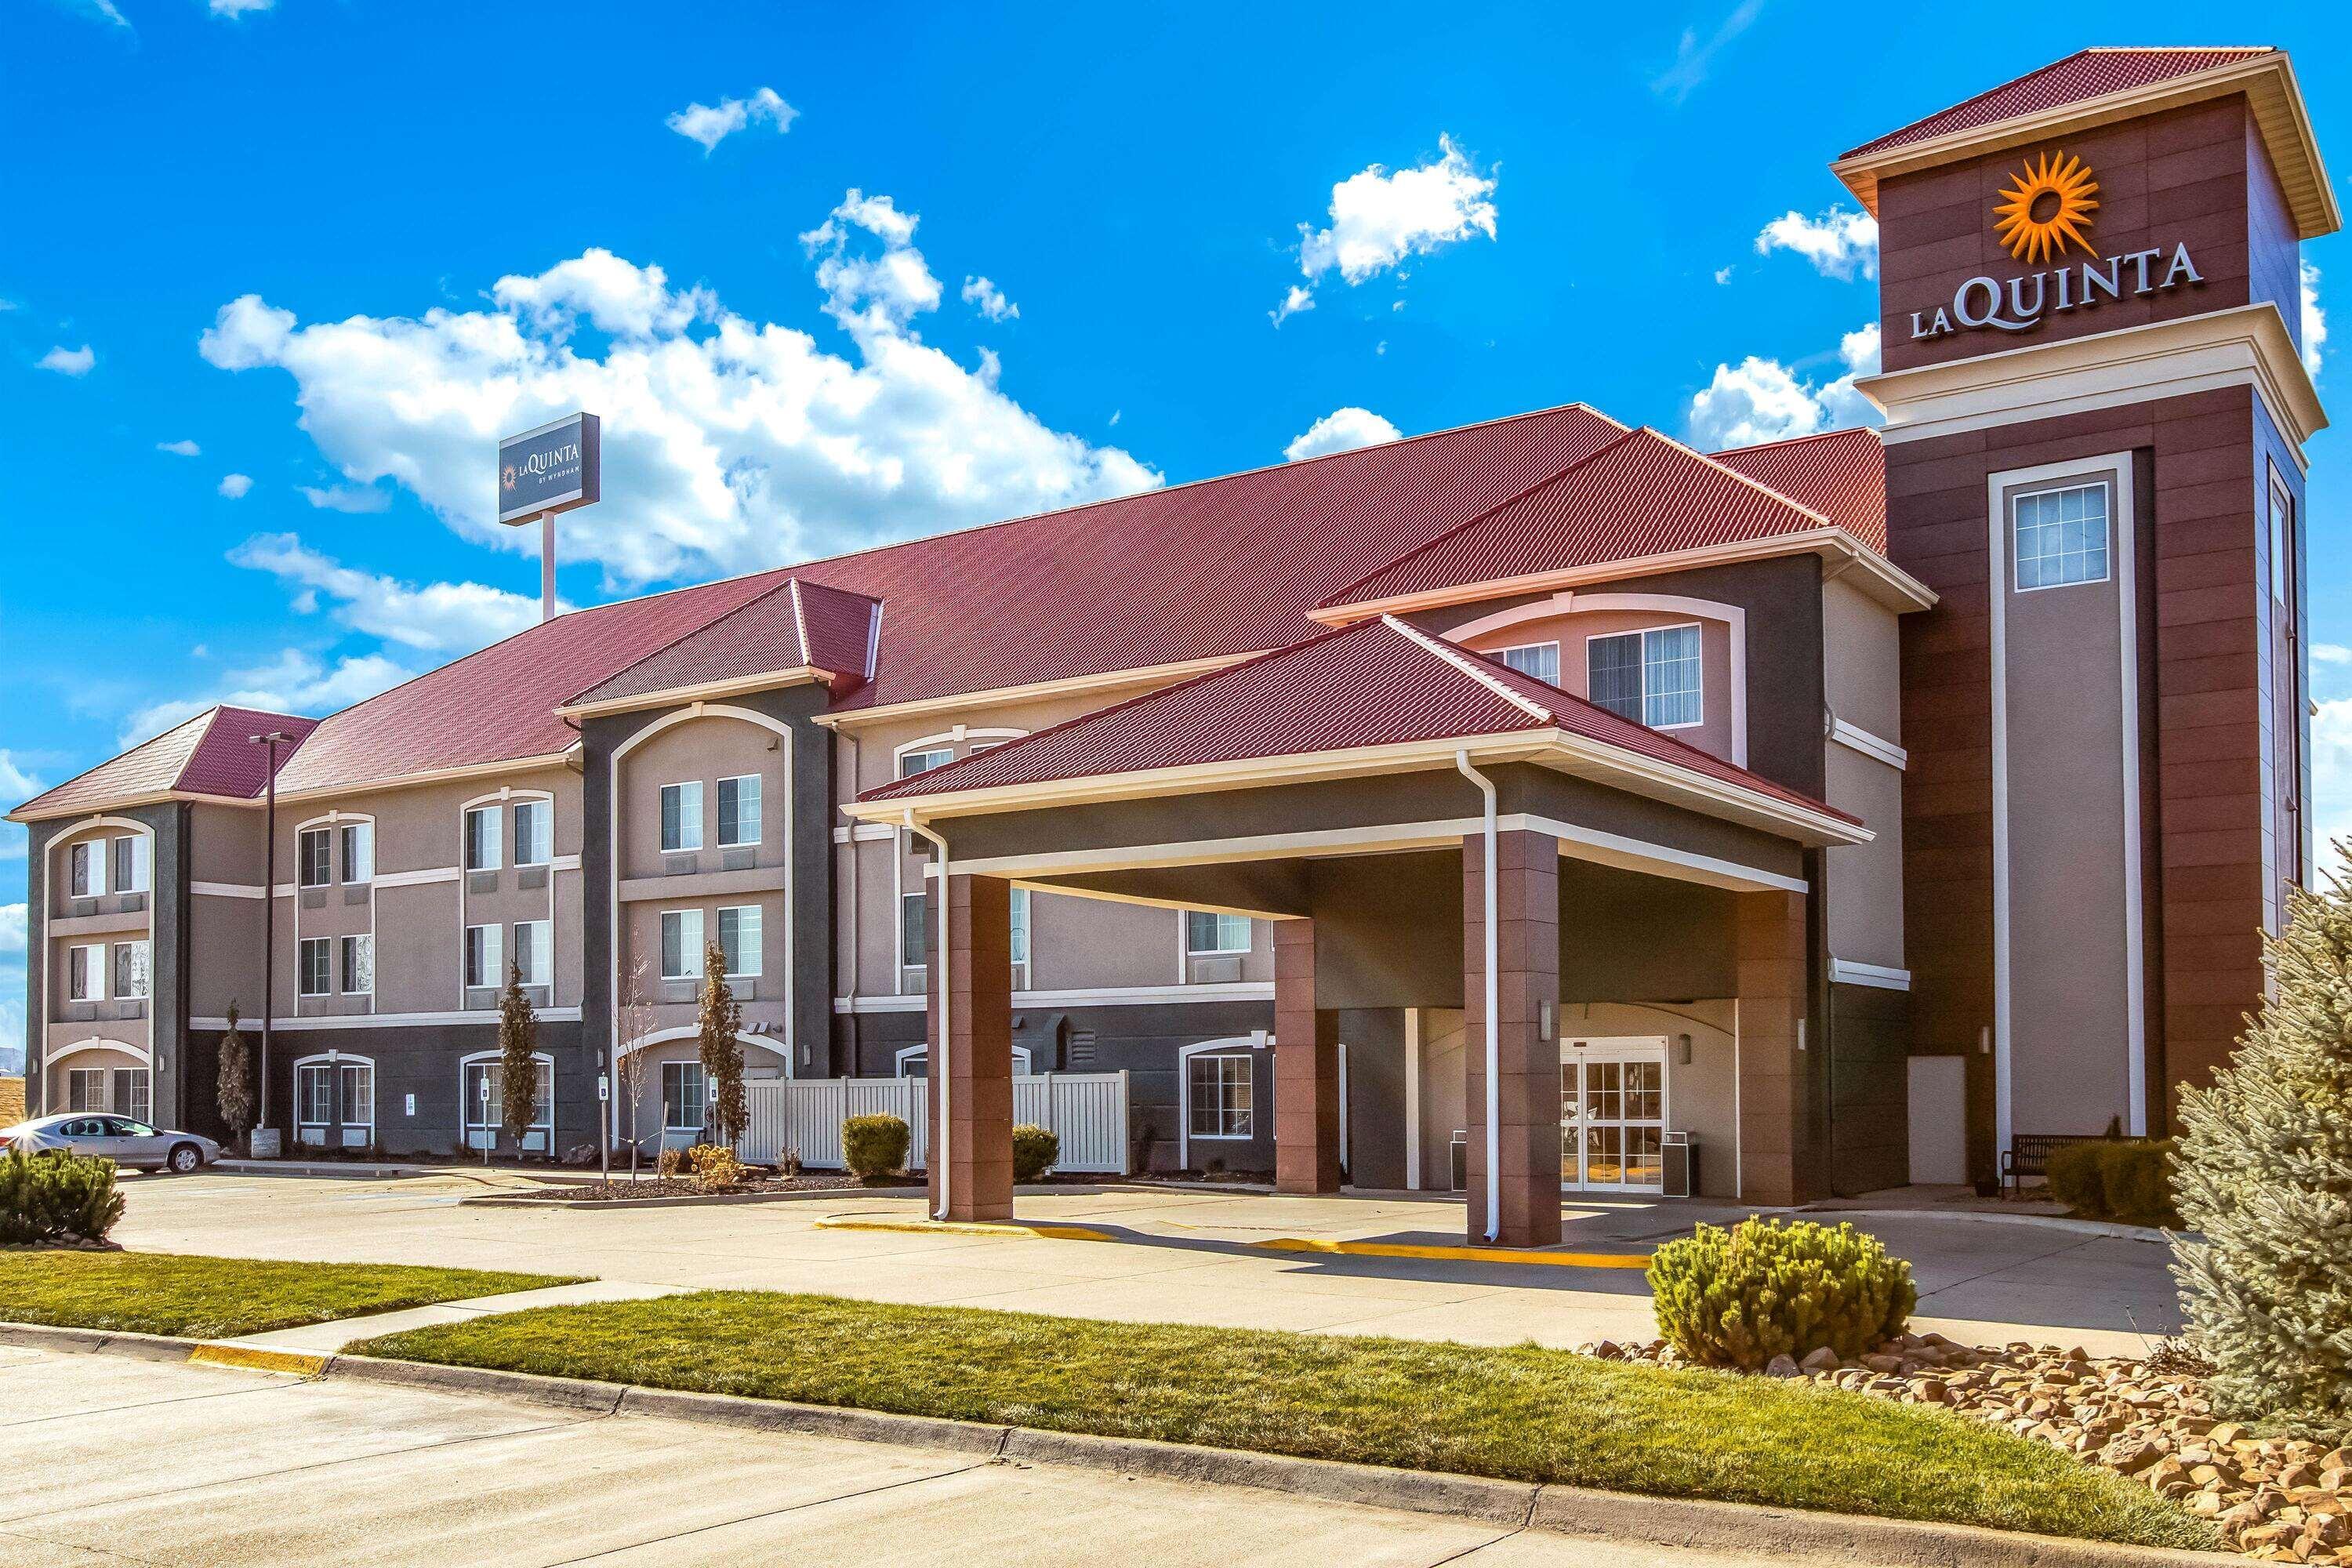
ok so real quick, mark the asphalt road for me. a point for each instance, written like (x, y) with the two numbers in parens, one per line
(119, 1461)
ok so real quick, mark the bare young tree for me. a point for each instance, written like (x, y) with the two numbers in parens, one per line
(632, 1068)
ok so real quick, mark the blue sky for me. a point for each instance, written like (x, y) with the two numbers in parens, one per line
(275, 273)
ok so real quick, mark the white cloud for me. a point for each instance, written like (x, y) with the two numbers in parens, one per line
(1695, 57)
(12, 928)
(2330, 653)
(233, 9)
(15, 783)
(99, 11)
(712, 123)
(1379, 218)
(1764, 400)
(741, 445)
(436, 616)
(1300, 298)
(1723, 274)
(616, 297)
(1838, 243)
(68, 361)
(180, 448)
(2331, 771)
(295, 682)
(1342, 430)
(233, 486)
(346, 497)
(989, 300)
(2315, 320)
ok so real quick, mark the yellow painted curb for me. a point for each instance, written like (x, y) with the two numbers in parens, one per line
(256, 1358)
(1462, 1254)
(967, 1227)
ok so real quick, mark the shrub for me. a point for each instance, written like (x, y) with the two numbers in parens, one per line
(670, 1161)
(56, 1197)
(2072, 1173)
(1034, 1149)
(716, 1166)
(874, 1146)
(2115, 1178)
(2264, 1163)
(1762, 1289)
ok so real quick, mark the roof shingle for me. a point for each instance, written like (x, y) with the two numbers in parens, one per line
(210, 754)
(2080, 76)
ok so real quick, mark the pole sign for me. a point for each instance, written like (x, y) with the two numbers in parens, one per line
(552, 468)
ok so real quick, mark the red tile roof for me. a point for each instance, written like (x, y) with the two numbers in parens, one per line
(1641, 495)
(2082, 76)
(210, 754)
(792, 625)
(1378, 682)
(1842, 474)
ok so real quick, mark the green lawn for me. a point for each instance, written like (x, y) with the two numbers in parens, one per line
(216, 1298)
(1523, 1413)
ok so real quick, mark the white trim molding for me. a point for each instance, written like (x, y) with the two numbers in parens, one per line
(97, 1043)
(1877, 747)
(1103, 996)
(1245, 1045)
(1847, 972)
(485, 1018)
(227, 890)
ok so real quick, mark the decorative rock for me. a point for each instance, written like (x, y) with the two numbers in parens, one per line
(1820, 1361)
(1783, 1366)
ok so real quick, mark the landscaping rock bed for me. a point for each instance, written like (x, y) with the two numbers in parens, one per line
(2276, 1500)
(625, 1189)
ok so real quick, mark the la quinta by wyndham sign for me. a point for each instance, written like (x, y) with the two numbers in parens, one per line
(2047, 207)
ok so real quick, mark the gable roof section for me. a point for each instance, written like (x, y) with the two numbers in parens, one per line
(1840, 474)
(790, 627)
(1641, 495)
(1376, 683)
(210, 754)
(2098, 87)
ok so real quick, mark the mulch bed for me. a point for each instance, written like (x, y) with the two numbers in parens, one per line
(623, 1189)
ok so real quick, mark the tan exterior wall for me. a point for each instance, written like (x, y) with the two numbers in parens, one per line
(1713, 734)
(1865, 881)
(1861, 642)
(109, 922)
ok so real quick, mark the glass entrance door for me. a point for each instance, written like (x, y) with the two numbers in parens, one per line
(1612, 1115)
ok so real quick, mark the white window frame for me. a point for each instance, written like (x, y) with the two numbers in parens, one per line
(131, 849)
(482, 1128)
(142, 979)
(335, 1065)
(903, 1060)
(1644, 633)
(689, 821)
(1231, 1045)
(946, 754)
(94, 958)
(343, 950)
(325, 867)
(302, 946)
(541, 971)
(94, 1100)
(1503, 656)
(685, 1067)
(752, 947)
(355, 850)
(136, 1086)
(493, 958)
(759, 822)
(85, 869)
(542, 812)
(689, 952)
(491, 839)
(1220, 917)
(2011, 523)
(923, 925)
(1021, 931)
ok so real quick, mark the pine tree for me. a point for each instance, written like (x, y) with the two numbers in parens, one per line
(2264, 1171)
(518, 1065)
(232, 1089)
(722, 1053)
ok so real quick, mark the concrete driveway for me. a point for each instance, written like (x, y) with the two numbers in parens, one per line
(1175, 1255)
(118, 1461)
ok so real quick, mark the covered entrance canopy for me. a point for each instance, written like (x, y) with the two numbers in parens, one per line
(1427, 829)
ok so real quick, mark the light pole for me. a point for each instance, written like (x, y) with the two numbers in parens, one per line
(273, 740)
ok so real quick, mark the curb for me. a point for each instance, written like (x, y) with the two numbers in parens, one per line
(1740, 1529)
(2038, 1221)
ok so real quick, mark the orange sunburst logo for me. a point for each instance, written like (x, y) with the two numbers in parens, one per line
(2047, 205)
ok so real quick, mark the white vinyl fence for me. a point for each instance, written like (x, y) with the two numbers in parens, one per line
(1087, 1109)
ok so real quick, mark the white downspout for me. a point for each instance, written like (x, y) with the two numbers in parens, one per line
(938, 974)
(855, 930)
(1494, 1023)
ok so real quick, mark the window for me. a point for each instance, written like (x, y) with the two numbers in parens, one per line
(1020, 933)
(2061, 537)
(1220, 1092)
(534, 832)
(739, 811)
(2282, 540)
(1206, 934)
(314, 1094)
(130, 864)
(534, 952)
(86, 973)
(134, 1097)
(914, 929)
(358, 965)
(130, 969)
(482, 958)
(482, 838)
(913, 762)
(485, 1092)
(85, 1088)
(315, 982)
(739, 939)
(681, 816)
(1651, 678)
(359, 851)
(684, 1095)
(310, 854)
(681, 937)
(88, 869)
(1541, 659)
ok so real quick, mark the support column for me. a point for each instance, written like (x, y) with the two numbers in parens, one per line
(1768, 938)
(1305, 1069)
(971, 1058)
(1526, 936)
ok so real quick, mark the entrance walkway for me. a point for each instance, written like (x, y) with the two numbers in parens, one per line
(1176, 1255)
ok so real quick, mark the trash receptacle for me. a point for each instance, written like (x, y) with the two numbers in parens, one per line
(1460, 1154)
(1681, 1166)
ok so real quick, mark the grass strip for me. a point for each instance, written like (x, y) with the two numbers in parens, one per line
(218, 1298)
(1521, 1413)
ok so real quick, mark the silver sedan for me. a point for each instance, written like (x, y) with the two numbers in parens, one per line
(116, 1138)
